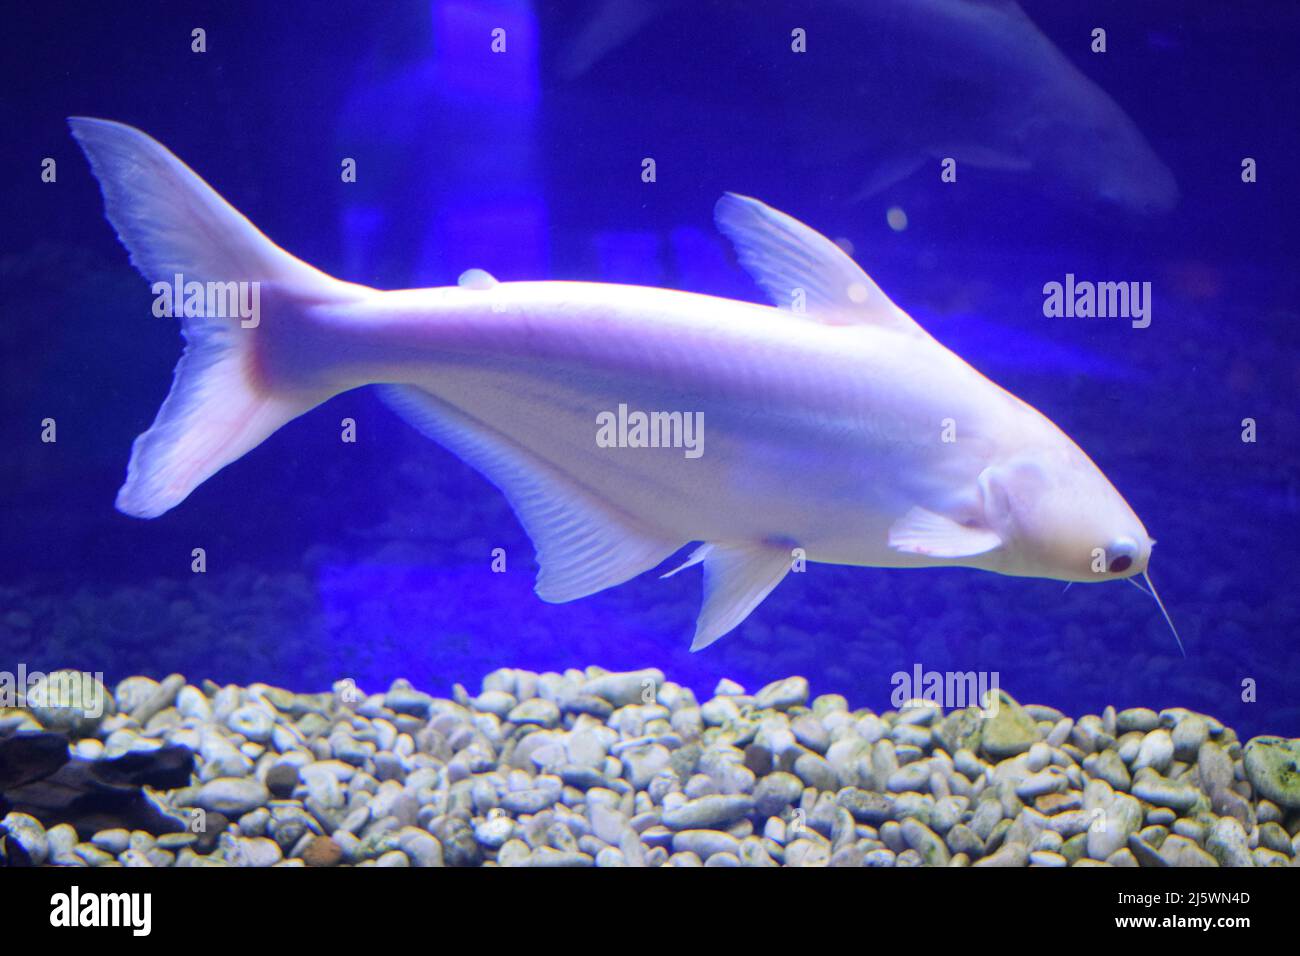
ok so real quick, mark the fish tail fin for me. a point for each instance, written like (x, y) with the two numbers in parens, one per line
(179, 231)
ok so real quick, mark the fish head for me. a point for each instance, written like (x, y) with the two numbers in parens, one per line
(1136, 179)
(1098, 152)
(1060, 517)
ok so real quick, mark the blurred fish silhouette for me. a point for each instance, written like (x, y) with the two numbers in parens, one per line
(827, 419)
(915, 81)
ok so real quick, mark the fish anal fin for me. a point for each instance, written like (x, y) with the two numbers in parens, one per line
(737, 577)
(926, 532)
(583, 543)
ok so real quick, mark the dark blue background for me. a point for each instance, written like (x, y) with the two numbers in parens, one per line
(371, 560)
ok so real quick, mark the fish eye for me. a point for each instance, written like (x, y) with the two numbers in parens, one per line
(1121, 555)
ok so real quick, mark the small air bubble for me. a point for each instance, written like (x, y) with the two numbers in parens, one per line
(896, 218)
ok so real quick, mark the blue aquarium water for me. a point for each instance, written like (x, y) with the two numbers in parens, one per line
(967, 154)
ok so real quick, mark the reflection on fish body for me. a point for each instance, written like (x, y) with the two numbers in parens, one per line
(843, 429)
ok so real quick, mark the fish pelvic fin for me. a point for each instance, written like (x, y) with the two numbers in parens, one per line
(182, 236)
(695, 557)
(737, 577)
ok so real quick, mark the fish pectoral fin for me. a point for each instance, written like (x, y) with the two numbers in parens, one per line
(922, 531)
(990, 157)
(889, 172)
(583, 543)
(802, 271)
(736, 580)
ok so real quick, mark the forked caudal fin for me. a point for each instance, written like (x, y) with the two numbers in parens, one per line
(175, 225)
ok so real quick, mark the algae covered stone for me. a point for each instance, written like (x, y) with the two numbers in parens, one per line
(960, 730)
(1273, 766)
(1010, 731)
(783, 694)
(71, 702)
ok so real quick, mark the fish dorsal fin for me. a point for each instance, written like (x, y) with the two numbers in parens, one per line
(737, 577)
(476, 279)
(926, 532)
(583, 543)
(796, 265)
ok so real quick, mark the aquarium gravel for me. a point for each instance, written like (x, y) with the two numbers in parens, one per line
(628, 769)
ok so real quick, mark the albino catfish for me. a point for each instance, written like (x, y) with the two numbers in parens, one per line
(831, 429)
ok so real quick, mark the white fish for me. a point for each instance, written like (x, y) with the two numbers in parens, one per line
(826, 432)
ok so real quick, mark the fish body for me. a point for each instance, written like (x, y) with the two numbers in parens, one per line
(833, 429)
(814, 434)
